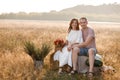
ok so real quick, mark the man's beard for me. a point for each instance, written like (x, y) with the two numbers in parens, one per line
(83, 26)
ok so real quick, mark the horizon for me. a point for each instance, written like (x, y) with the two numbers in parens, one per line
(15, 6)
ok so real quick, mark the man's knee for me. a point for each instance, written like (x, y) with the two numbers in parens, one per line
(91, 51)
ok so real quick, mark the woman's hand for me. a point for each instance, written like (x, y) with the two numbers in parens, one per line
(66, 42)
(69, 47)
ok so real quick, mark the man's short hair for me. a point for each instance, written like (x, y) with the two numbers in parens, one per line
(83, 18)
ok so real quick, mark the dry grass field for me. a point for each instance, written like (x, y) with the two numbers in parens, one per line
(15, 64)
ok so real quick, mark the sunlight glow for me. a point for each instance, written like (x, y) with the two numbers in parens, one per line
(45, 5)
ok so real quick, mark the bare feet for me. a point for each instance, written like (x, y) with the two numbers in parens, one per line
(90, 74)
(73, 72)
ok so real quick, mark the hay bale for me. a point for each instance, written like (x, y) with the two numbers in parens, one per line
(82, 67)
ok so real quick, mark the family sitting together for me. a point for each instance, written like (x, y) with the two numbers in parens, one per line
(78, 42)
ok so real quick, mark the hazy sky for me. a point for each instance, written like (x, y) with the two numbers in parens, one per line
(45, 5)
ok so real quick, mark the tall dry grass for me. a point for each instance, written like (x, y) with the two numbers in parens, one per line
(16, 65)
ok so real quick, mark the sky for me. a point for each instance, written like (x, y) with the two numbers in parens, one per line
(7, 6)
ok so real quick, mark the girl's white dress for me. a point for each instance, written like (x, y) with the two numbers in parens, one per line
(65, 57)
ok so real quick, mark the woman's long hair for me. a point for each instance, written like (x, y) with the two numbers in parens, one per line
(70, 25)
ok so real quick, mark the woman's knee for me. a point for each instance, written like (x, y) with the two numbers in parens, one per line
(76, 49)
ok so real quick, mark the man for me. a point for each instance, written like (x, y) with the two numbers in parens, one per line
(87, 48)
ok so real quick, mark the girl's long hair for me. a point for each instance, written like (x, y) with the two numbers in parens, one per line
(70, 25)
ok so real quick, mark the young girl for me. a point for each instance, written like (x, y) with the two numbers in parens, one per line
(74, 37)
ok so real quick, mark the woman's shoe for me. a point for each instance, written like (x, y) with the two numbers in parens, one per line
(68, 70)
(60, 71)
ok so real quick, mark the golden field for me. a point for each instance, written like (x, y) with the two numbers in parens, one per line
(15, 64)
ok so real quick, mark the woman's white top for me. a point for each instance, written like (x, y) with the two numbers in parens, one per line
(75, 36)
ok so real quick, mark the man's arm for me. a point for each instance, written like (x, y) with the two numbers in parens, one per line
(84, 44)
(88, 41)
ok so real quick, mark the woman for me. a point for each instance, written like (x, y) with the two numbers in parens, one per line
(74, 37)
